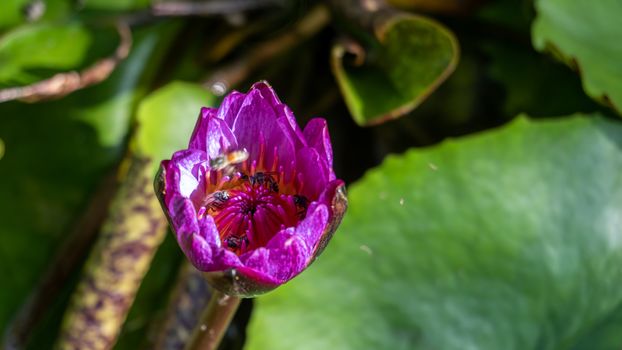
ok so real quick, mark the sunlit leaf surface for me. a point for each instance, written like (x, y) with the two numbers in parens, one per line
(504, 240)
(167, 117)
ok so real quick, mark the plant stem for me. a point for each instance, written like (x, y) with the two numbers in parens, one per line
(235, 72)
(190, 8)
(118, 262)
(189, 298)
(65, 83)
(214, 322)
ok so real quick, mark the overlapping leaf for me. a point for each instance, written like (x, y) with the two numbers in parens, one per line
(586, 35)
(415, 54)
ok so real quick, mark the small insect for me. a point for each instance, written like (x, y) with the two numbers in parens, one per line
(235, 242)
(227, 161)
(217, 200)
(263, 179)
(301, 203)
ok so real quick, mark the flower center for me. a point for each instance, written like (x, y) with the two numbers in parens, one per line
(250, 208)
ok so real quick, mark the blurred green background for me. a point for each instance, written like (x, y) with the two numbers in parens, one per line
(480, 140)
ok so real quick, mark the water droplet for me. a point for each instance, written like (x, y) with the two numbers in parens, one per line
(219, 88)
(366, 249)
(34, 10)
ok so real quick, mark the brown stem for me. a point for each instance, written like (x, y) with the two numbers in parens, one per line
(65, 83)
(443, 7)
(234, 73)
(210, 7)
(214, 322)
(190, 296)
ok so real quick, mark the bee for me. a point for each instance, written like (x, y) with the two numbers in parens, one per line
(227, 161)
(235, 242)
(217, 200)
(302, 203)
(263, 179)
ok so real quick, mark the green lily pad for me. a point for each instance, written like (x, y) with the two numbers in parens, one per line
(414, 56)
(586, 35)
(167, 117)
(41, 46)
(508, 239)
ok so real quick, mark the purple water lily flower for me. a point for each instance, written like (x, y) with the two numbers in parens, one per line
(254, 199)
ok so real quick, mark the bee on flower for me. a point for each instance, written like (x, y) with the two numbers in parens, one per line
(254, 199)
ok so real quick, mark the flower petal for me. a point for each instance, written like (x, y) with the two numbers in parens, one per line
(312, 172)
(183, 219)
(283, 258)
(199, 252)
(256, 128)
(212, 134)
(199, 134)
(230, 107)
(220, 138)
(185, 175)
(267, 92)
(283, 112)
(316, 134)
(311, 228)
(305, 207)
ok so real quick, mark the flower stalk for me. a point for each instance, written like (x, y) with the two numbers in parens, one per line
(214, 322)
(252, 201)
(187, 302)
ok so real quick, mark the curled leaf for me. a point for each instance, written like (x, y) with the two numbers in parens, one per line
(414, 56)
